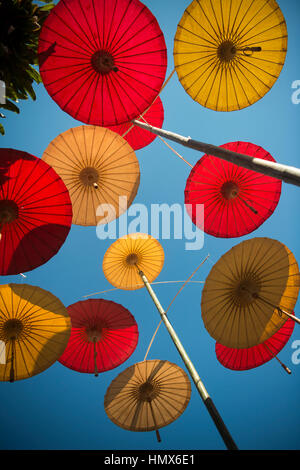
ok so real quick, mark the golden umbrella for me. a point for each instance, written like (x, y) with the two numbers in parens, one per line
(100, 170)
(250, 292)
(35, 327)
(228, 54)
(148, 396)
(125, 254)
(128, 261)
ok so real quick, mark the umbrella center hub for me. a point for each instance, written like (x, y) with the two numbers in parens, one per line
(248, 290)
(132, 259)
(103, 62)
(8, 211)
(12, 329)
(226, 51)
(93, 334)
(89, 177)
(229, 190)
(147, 391)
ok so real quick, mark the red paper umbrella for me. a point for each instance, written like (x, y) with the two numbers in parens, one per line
(103, 62)
(137, 137)
(248, 358)
(35, 212)
(104, 334)
(236, 200)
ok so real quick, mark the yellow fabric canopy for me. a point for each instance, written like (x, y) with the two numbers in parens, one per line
(244, 290)
(228, 54)
(129, 254)
(148, 395)
(99, 168)
(35, 327)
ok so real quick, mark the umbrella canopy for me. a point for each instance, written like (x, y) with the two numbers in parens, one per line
(228, 54)
(35, 327)
(236, 200)
(35, 212)
(249, 358)
(147, 396)
(130, 254)
(246, 291)
(104, 335)
(100, 170)
(137, 137)
(102, 62)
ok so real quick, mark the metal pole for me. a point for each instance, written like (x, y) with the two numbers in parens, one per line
(229, 442)
(286, 173)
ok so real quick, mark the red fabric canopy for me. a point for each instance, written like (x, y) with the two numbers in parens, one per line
(236, 200)
(248, 358)
(35, 212)
(100, 327)
(103, 62)
(137, 137)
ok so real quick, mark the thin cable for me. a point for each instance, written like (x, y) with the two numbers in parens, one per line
(164, 85)
(137, 285)
(188, 280)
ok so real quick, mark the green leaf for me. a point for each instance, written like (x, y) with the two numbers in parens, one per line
(47, 7)
(31, 92)
(10, 106)
(34, 74)
(2, 131)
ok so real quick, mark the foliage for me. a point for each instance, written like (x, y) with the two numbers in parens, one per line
(20, 24)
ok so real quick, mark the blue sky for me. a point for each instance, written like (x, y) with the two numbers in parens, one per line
(63, 409)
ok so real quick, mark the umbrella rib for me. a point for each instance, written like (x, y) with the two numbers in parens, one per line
(208, 20)
(85, 47)
(216, 20)
(89, 42)
(117, 46)
(255, 26)
(243, 59)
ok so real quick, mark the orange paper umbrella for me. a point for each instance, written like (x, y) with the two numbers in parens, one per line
(250, 292)
(148, 396)
(35, 327)
(100, 170)
(129, 254)
(104, 335)
(137, 137)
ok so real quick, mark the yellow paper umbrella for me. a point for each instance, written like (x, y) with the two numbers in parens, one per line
(147, 396)
(35, 328)
(100, 170)
(129, 254)
(228, 54)
(250, 293)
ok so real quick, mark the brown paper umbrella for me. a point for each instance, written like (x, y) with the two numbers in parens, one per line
(100, 170)
(250, 293)
(148, 396)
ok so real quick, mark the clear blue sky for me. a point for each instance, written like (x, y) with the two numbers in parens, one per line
(63, 409)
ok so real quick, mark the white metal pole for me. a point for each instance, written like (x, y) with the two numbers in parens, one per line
(228, 440)
(286, 173)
